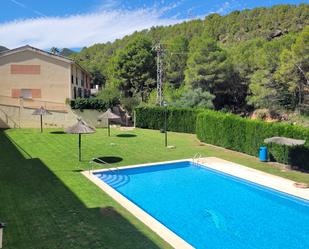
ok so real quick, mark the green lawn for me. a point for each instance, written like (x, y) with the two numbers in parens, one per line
(47, 203)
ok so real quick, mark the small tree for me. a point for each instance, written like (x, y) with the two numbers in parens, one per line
(196, 98)
(130, 103)
(133, 69)
(209, 69)
(263, 93)
(207, 66)
(110, 96)
(293, 71)
(55, 50)
(175, 61)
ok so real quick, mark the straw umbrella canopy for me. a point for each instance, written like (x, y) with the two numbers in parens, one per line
(80, 128)
(41, 112)
(109, 116)
(285, 141)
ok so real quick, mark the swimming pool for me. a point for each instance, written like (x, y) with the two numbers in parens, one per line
(210, 209)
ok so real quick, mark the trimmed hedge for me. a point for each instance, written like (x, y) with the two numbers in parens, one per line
(89, 103)
(245, 135)
(178, 119)
(229, 131)
(295, 156)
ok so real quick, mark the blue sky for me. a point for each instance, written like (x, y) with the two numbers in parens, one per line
(78, 23)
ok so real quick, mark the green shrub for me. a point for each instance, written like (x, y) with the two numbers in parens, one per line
(178, 119)
(279, 153)
(109, 95)
(245, 135)
(89, 103)
(130, 103)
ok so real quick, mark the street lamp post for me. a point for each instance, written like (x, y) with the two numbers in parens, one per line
(165, 121)
(2, 225)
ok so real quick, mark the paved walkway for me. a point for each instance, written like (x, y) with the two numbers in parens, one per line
(253, 175)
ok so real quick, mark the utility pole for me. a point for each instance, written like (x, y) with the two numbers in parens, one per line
(159, 50)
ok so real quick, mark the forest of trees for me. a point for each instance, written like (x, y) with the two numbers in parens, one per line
(243, 61)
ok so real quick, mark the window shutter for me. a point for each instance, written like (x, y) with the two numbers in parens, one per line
(16, 93)
(36, 93)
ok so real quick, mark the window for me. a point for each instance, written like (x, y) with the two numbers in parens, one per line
(26, 93)
(72, 79)
(74, 92)
(79, 92)
(83, 79)
(76, 75)
(86, 93)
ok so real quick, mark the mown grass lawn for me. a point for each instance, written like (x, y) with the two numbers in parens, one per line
(47, 203)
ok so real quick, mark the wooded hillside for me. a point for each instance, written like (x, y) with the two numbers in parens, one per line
(245, 60)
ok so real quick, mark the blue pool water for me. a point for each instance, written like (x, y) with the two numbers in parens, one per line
(213, 210)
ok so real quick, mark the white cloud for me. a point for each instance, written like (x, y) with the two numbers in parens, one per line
(108, 4)
(80, 30)
(224, 8)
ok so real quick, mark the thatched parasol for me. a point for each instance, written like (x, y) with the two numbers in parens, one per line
(109, 116)
(284, 141)
(80, 128)
(42, 112)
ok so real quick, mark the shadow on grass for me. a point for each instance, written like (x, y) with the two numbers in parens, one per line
(126, 135)
(77, 170)
(42, 212)
(108, 159)
(57, 132)
(20, 148)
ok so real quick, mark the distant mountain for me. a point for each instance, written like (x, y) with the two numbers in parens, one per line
(2, 49)
(66, 52)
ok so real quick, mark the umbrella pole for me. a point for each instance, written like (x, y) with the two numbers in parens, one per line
(41, 123)
(109, 131)
(79, 147)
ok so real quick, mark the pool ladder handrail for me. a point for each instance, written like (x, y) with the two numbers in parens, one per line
(100, 160)
(196, 158)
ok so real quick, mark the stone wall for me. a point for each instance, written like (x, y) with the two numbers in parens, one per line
(16, 117)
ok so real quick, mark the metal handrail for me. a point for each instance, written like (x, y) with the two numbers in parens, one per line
(196, 158)
(100, 160)
(196, 155)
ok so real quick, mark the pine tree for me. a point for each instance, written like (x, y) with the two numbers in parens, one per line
(133, 69)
